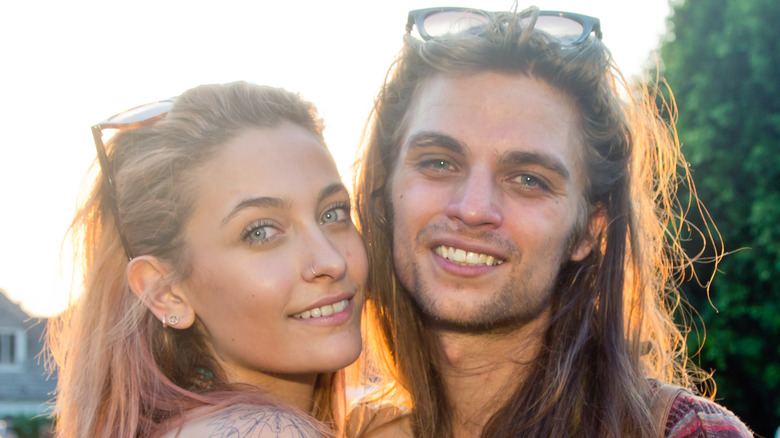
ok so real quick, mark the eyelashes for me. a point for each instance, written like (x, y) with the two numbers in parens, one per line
(441, 167)
(437, 165)
(527, 181)
(260, 233)
(265, 231)
(336, 213)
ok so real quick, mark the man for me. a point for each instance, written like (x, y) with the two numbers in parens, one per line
(517, 215)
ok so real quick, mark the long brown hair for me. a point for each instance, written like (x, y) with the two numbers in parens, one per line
(611, 328)
(120, 373)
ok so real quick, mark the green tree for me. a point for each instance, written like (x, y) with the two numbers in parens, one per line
(722, 61)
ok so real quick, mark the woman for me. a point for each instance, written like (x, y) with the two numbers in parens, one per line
(223, 275)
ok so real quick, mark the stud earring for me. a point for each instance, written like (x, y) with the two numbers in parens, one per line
(173, 320)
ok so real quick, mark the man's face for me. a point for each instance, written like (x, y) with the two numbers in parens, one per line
(487, 194)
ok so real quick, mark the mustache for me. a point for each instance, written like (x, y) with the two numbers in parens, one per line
(469, 233)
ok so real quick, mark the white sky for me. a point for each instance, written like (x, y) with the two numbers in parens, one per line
(66, 65)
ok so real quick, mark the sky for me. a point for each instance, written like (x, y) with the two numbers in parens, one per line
(65, 66)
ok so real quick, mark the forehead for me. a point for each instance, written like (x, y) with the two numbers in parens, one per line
(498, 111)
(284, 161)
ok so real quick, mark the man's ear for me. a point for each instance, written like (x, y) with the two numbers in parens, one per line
(597, 222)
(151, 281)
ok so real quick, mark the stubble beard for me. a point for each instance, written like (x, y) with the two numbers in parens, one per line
(511, 305)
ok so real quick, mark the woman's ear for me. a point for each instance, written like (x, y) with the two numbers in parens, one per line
(596, 225)
(151, 280)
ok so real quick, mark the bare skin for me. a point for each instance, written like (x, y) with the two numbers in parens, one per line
(477, 369)
(247, 421)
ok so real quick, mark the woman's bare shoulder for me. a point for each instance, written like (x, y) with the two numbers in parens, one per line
(246, 421)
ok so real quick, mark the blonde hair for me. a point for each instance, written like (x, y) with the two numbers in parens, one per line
(611, 327)
(120, 373)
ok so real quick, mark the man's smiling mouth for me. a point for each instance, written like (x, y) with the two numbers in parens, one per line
(466, 258)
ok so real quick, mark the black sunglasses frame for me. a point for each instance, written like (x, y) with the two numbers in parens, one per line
(589, 24)
(116, 122)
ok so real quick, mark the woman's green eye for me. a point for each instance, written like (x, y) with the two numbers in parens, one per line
(334, 215)
(260, 233)
(257, 234)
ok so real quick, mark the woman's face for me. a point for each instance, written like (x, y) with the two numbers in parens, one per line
(278, 267)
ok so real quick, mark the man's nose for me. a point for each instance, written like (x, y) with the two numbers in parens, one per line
(474, 199)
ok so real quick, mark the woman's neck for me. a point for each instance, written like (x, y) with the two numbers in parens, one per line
(294, 389)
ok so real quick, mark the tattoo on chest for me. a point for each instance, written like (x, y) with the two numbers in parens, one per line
(263, 421)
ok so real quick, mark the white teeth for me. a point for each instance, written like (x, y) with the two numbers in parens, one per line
(474, 258)
(341, 305)
(326, 310)
(464, 258)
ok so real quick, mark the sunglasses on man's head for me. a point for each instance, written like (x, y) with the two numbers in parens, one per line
(565, 28)
(134, 118)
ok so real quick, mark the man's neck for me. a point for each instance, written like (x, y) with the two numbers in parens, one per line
(482, 371)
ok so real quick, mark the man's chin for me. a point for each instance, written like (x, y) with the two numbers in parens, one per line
(485, 322)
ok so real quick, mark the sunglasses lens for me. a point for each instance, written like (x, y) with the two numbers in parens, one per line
(454, 22)
(557, 28)
(143, 112)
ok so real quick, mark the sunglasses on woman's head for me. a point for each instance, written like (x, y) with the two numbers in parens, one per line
(134, 118)
(565, 28)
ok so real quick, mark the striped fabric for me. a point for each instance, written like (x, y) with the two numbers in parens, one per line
(696, 417)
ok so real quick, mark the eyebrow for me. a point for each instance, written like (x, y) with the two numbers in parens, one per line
(261, 202)
(331, 190)
(431, 138)
(272, 202)
(546, 161)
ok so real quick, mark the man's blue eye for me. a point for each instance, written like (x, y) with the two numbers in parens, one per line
(437, 164)
(529, 180)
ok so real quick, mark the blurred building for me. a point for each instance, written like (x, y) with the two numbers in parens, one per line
(24, 386)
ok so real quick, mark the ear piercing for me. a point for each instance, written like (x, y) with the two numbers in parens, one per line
(169, 320)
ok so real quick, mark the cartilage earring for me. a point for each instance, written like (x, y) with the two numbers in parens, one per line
(173, 320)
